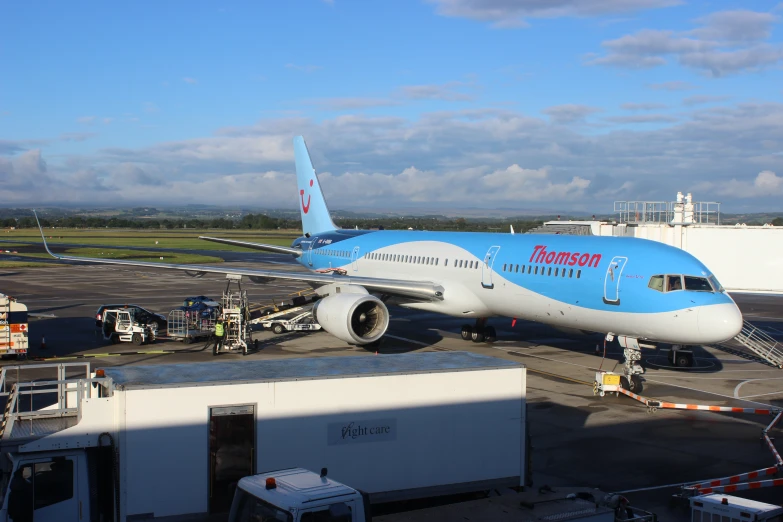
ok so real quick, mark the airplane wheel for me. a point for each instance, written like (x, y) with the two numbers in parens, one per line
(477, 336)
(683, 360)
(490, 335)
(467, 332)
(636, 384)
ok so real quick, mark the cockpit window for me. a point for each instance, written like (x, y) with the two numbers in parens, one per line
(699, 284)
(673, 282)
(716, 284)
(656, 283)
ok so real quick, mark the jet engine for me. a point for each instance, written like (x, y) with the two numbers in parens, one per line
(353, 318)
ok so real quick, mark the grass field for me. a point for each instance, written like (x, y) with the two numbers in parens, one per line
(176, 239)
(24, 264)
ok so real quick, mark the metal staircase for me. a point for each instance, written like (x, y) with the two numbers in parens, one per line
(761, 343)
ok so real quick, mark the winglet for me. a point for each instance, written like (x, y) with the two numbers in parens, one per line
(42, 236)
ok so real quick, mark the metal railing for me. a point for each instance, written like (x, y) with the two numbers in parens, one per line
(761, 343)
(69, 394)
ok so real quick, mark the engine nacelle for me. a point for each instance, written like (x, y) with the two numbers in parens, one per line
(353, 318)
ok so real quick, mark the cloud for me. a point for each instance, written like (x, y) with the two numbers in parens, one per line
(766, 183)
(358, 103)
(77, 136)
(672, 86)
(700, 100)
(642, 106)
(189, 80)
(107, 121)
(11, 147)
(447, 92)
(512, 13)
(736, 26)
(642, 118)
(569, 113)
(86, 120)
(480, 158)
(727, 42)
(450, 91)
(150, 108)
(303, 68)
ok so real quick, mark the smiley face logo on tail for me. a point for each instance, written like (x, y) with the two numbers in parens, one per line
(305, 208)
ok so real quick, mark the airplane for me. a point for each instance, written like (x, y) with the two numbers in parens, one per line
(638, 291)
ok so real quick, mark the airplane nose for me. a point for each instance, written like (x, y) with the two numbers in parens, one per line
(720, 322)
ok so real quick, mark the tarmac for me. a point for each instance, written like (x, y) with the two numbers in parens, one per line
(579, 439)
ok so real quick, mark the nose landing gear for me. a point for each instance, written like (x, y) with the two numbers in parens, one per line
(479, 333)
(632, 370)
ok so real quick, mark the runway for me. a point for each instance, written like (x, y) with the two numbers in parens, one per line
(578, 439)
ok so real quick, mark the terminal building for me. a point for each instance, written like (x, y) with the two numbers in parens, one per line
(745, 259)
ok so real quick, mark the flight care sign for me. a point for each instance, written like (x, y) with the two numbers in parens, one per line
(354, 431)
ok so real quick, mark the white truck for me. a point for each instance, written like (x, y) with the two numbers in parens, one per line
(299, 495)
(139, 443)
(14, 338)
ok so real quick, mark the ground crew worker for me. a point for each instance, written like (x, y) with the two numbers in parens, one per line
(219, 335)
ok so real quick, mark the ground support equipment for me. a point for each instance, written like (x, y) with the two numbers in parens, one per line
(606, 382)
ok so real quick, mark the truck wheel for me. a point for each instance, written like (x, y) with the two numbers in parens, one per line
(278, 328)
(186, 340)
(136, 339)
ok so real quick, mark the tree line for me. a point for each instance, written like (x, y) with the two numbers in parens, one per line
(264, 222)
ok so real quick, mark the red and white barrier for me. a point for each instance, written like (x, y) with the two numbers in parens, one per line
(743, 487)
(735, 479)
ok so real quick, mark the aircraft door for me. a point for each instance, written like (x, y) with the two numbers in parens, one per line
(486, 267)
(355, 258)
(310, 252)
(612, 280)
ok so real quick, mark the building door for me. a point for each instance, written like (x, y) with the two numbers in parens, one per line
(612, 280)
(486, 267)
(355, 258)
(231, 452)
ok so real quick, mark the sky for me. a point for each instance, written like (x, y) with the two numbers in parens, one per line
(564, 105)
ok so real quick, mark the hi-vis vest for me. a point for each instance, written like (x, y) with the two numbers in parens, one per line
(219, 329)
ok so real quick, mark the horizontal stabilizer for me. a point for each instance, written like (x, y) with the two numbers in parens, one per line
(255, 246)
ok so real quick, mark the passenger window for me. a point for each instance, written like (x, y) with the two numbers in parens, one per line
(504, 267)
(557, 271)
(656, 283)
(673, 282)
(697, 284)
(536, 272)
(578, 274)
(571, 272)
(549, 272)
(436, 261)
(528, 268)
(445, 262)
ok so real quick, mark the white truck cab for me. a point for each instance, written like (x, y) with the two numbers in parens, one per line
(296, 495)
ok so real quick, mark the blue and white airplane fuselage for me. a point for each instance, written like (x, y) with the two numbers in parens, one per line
(599, 284)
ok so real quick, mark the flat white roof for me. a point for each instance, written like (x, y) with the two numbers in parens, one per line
(221, 373)
(752, 506)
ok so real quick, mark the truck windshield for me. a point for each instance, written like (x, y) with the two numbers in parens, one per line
(247, 508)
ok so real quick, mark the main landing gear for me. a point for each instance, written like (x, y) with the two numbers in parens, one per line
(632, 370)
(479, 333)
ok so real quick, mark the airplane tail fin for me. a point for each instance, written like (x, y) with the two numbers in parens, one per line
(312, 205)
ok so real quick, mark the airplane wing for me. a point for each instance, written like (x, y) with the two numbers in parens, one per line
(256, 246)
(416, 289)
